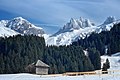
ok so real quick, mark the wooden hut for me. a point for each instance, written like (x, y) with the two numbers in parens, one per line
(41, 68)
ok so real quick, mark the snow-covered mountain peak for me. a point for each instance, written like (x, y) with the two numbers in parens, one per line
(72, 24)
(19, 18)
(109, 20)
(19, 25)
(79, 29)
(88, 23)
(72, 20)
(81, 19)
(75, 29)
(18, 21)
(108, 24)
(23, 26)
(75, 24)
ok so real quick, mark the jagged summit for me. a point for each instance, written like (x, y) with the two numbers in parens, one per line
(109, 20)
(108, 24)
(75, 24)
(78, 29)
(73, 30)
(72, 24)
(78, 23)
(19, 18)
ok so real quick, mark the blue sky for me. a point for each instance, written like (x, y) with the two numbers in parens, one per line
(55, 13)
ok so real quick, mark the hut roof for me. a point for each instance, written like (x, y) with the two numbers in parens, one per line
(41, 64)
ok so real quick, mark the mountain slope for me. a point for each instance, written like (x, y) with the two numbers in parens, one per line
(4, 31)
(19, 25)
(77, 29)
(108, 24)
(73, 30)
(24, 27)
(75, 24)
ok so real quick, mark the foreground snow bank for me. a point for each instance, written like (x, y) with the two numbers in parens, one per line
(38, 77)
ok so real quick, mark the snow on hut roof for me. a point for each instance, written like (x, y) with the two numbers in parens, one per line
(41, 64)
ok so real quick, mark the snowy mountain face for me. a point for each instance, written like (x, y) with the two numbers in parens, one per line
(7, 32)
(4, 31)
(108, 24)
(79, 29)
(24, 27)
(109, 20)
(19, 26)
(75, 25)
(72, 31)
(3, 23)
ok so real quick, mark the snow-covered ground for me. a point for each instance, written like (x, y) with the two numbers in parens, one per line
(113, 73)
(38, 77)
(114, 61)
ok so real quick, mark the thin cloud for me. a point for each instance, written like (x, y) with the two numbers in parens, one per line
(60, 11)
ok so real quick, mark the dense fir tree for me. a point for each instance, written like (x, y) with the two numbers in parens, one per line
(94, 56)
(106, 66)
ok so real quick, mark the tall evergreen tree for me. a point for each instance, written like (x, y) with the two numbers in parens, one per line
(94, 56)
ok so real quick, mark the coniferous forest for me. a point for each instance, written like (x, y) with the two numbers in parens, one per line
(17, 52)
(109, 40)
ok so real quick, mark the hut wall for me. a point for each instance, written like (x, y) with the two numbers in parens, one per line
(41, 70)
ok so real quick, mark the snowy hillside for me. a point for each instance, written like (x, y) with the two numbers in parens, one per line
(4, 31)
(114, 61)
(60, 77)
(67, 38)
(114, 73)
(77, 29)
